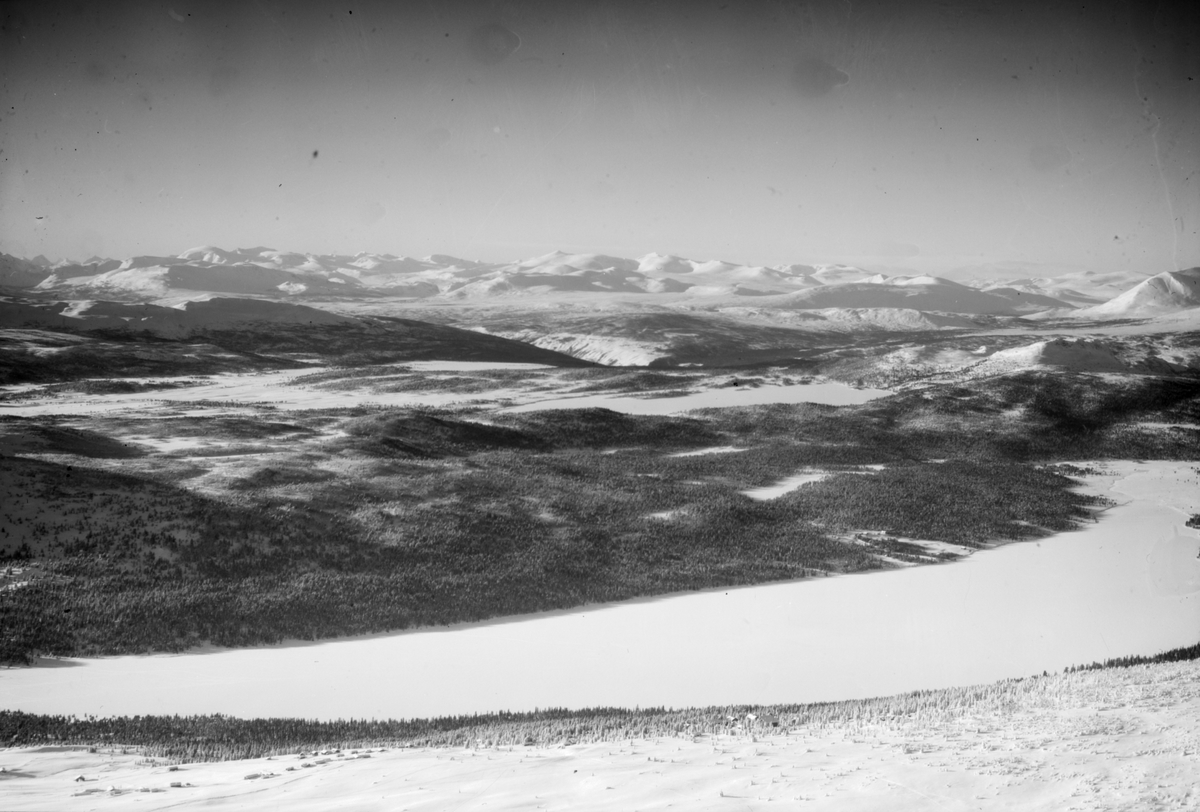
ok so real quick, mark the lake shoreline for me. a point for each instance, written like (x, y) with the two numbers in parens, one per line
(968, 552)
(751, 644)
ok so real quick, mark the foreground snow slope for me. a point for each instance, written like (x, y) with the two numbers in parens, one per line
(1098, 740)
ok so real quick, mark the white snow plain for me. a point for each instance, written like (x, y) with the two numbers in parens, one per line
(830, 394)
(1118, 739)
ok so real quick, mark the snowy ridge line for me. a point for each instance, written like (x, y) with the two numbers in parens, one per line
(261, 271)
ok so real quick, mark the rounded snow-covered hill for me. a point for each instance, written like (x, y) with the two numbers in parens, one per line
(1167, 292)
(1079, 355)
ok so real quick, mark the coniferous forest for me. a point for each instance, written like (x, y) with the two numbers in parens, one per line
(374, 519)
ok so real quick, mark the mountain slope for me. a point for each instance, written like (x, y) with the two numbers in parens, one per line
(559, 276)
(171, 322)
(278, 329)
(1078, 355)
(20, 273)
(919, 293)
(1167, 292)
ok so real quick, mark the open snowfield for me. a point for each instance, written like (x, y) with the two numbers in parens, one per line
(1100, 740)
(1128, 584)
(831, 394)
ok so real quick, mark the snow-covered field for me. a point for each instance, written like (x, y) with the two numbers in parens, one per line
(279, 390)
(831, 394)
(468, 366)
(1120, 739)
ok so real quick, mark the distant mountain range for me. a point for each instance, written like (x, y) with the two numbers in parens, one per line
(170, 322)
(266, 273)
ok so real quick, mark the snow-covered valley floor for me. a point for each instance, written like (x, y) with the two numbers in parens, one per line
(1098, 740)
(287, 390)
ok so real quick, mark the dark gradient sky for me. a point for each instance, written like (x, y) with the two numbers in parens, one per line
(899, 133)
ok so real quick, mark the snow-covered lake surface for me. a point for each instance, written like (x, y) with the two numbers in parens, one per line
(830, 394)
(469, 366)
(1129, 584)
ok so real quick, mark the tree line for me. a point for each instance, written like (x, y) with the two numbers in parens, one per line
(218, 737)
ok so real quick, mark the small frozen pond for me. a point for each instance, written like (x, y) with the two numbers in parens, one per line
(700, 452)
(469, 366)
(1129, 584)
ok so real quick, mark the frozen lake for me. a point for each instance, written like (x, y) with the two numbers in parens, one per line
(829, 394)
(1129, 584)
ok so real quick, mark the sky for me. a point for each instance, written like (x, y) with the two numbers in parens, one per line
(918, 134)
